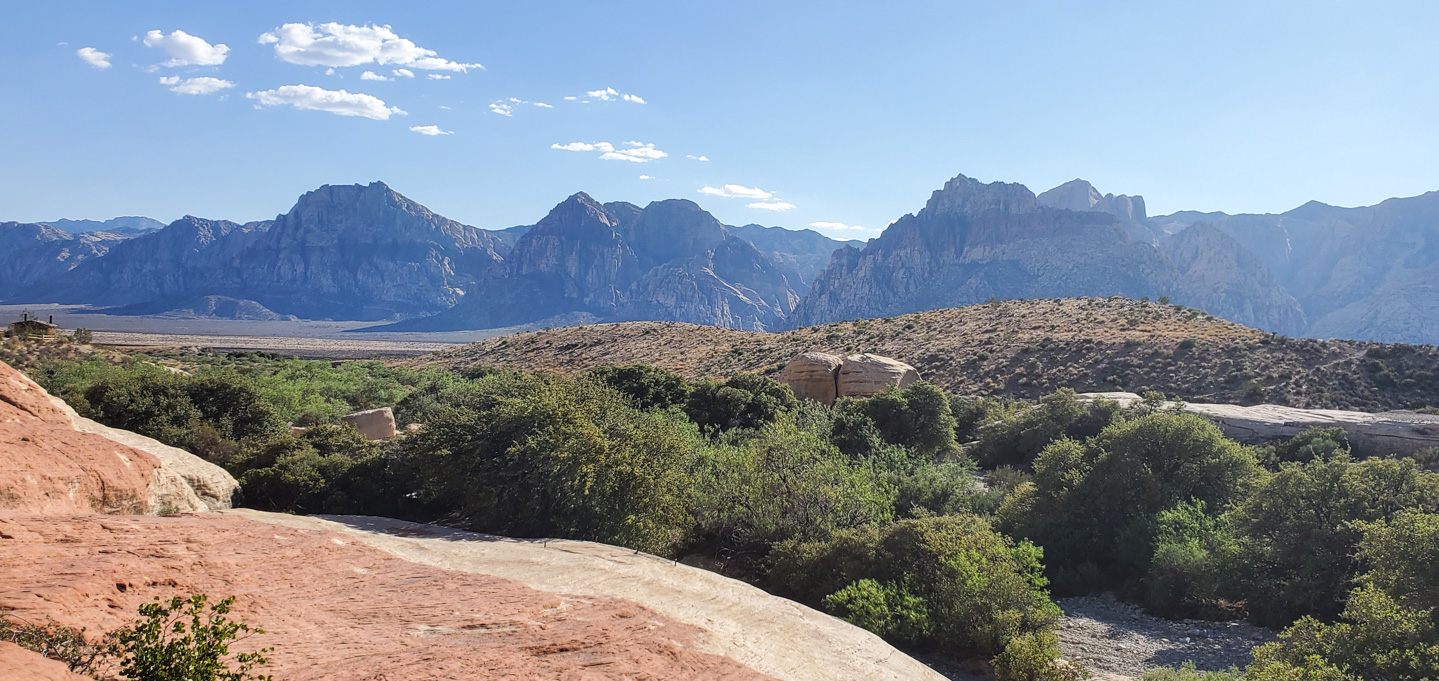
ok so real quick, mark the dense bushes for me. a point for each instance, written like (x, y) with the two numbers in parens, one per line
(951, 583)
(1095, 506)
(545, 457)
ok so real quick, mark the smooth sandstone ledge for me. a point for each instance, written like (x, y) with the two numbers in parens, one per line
(769, 634)
(1393, 432)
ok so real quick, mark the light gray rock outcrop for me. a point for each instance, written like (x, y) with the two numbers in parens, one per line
(1393, 432)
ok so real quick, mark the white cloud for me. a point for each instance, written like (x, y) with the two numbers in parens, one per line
(94, 57)
(187, 50)
(329, 72)
(634, 152)
(506, 107)
(584, 146)
(736, 191)
(646, 177)
(371, 75)
(837, 225)
(404, 73)
(446, 108)
(438, 76)
(608, 94)
(697, 158)
(203, 85)
(430, 130)
(771, 205)
(337, 102)
(335, 44)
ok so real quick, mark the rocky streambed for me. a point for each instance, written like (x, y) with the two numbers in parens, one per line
(1112, 637)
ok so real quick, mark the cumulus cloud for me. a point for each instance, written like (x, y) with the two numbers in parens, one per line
(403, 73)
(771, 205)
(337, 102)
(506, 107)
(646, 177)
(94, 57)
(584, 146)
(187, 50)
(371, 75)
(836, 225)
(634, 152)
(430, 130)
(697, 158)
(336, 44)
(438, 76)
(736, 191)
(203, 85)
(608, 94)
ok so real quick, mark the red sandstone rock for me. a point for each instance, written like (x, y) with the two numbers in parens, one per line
(46, 466)
(334, 609)
(18, 663)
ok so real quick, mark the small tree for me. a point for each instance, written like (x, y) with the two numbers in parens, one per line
(161, 646)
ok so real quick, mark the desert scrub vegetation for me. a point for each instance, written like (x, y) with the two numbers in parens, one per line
(184, 638)
(941, 522)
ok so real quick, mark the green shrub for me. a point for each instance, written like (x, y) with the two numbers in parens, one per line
(783, 483)
(647, 387)
(328, 469)
(1187, 672)
(743, 401)
(978, 588)
(179, 640)
(535, 456)
(888, 610)
(1299, 535)
(1035, 657)
(1020, 434)
(1098, 503)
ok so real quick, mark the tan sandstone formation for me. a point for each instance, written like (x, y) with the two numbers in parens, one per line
(1393, 432)
(823, 377)
(813, 376)
(53, 461)
(374, 424)
(865, 375)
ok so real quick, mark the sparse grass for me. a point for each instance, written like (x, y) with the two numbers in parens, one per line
(1086, 344)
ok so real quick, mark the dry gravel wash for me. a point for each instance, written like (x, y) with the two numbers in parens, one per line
(771, 635)
(1111, 637)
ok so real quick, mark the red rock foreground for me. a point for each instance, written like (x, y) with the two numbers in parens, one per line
(336, 609)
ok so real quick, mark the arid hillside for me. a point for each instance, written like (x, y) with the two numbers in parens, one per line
(1021, 348)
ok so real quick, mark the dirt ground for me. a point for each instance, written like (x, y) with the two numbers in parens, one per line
(1111, 637)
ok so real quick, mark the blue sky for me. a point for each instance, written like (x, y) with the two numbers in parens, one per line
(850, 112)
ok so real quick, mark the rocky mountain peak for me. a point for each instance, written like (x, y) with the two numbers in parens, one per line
(670, 229)
(968, 196)
(1080, 195)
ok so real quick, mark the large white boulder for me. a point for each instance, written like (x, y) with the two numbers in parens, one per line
(813, 376)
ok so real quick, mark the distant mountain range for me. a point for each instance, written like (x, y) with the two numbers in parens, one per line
(368, 253)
